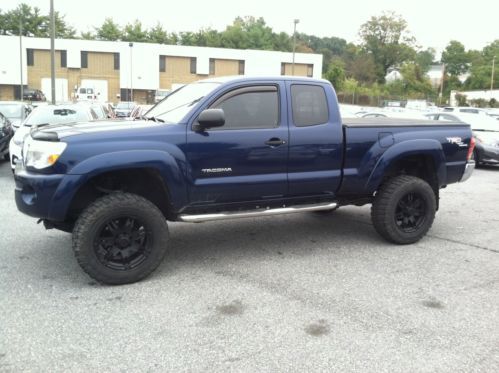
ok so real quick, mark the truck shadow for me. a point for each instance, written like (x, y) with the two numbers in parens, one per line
(302, 234)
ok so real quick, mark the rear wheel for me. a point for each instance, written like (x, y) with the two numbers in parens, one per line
(404, 209)
(120, 238)
(475, 157)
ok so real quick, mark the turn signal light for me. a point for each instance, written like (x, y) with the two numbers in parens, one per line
(471, 148)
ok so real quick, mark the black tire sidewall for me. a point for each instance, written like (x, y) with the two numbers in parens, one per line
(157, 237)
(388, 227)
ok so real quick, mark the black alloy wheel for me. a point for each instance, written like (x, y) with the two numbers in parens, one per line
(120, 238)
(410, 212)
(121, 244)
(403, 209)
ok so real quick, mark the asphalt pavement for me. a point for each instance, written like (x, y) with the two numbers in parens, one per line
(295, 293)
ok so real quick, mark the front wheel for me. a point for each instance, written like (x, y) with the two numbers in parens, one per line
(404, 209)
(120, 238)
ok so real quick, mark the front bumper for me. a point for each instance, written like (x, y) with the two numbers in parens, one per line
(15, 153)
(45, 196)
(470, 166)
(34, 192)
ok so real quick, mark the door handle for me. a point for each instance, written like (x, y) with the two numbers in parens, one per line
(274, 141)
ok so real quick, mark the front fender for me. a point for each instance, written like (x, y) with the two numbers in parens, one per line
(171, 170)
(425, 147)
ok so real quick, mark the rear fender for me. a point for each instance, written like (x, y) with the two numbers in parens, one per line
(399, 151)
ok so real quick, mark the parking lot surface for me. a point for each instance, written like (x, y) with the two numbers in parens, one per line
(302, 292)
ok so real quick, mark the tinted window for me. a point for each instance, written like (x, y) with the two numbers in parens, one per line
(193, 65)
(64, 58)
(255, 109)
(84, 59)
(162, 64)
(474, 111)
(30, 57)
(116, 61)
(309, 105)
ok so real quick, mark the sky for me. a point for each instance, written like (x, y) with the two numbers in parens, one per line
(432, 22)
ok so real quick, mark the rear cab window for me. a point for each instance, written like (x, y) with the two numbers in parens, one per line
(309, 105)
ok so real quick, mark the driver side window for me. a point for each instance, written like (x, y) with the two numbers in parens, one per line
(249, 108)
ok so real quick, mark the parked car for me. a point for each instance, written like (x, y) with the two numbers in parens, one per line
(464, 109)
(16, 111)
(485, 131)
(43, 116)
(161, 94)
(124, 108)
(102, 110)
(227, 148)
(6, 133)
(85, 94)
(139, 111)
(33, 95)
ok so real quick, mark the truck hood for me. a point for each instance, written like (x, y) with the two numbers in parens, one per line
(73, 129)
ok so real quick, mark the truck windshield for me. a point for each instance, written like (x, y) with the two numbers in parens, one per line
(175, 106)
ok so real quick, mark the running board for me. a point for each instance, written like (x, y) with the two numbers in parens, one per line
(257, 213)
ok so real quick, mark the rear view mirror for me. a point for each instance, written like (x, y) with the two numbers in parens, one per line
(210, 118)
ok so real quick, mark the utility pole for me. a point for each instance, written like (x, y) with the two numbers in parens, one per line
(52, 50)
(21, 54)
(131, 72)
(294, 46)
(492, 75)
(440, 96)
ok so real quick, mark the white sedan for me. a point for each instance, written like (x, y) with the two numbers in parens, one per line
(45, 115)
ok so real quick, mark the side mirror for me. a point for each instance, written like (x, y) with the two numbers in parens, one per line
(210, 118)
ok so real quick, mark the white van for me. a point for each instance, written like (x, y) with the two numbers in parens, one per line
(85, 94)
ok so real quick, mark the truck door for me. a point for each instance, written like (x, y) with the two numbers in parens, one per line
(315, 140)
(244, 160)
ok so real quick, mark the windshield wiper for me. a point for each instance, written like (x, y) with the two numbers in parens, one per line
(154, 119)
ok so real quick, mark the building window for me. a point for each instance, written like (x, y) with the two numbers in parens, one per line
(212, 66)
(64, 59)
(283, 68)
(193, 65)
(241, 67)
(310, 71)
(30, 57)
(162, 64)
(84, 59)
(116, 61)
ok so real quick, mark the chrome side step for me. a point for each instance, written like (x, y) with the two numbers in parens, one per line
(257, 213)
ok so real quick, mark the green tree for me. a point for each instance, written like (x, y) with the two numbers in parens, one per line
(455, 58)
(33, 23)
(87, 35)
(425, 59)
(158, 34)
(481, 67)
(416, 84)
(336, 75)
(109, 30)
(386, 37)
(135, 32)
(247, 33)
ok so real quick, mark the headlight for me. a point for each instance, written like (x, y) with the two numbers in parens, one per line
(42, 154)
(19, 138)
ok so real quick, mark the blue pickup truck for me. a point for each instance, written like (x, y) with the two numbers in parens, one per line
(232, 148)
